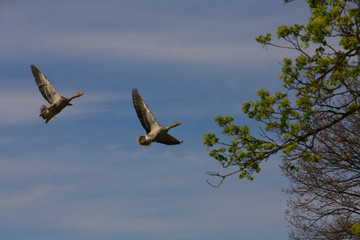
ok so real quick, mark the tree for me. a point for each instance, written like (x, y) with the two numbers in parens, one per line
(325, 201)
(321, 88)
(303, 124)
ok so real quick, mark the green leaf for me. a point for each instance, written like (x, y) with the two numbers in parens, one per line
(355, 229)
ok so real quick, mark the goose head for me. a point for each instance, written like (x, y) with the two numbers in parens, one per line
(175, 124)
(76, 95)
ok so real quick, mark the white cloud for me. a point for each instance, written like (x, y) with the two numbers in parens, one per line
(22, 107)
(143, 46)
(189, 39)
(19, 107)
(151, 193)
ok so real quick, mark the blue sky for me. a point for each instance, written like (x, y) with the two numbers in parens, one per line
(83, 175)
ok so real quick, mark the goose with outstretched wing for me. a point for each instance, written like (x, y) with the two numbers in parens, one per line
(154, 131)
(56, 101)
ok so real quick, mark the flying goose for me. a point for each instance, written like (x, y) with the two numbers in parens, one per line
(57, 102)
(154, 131)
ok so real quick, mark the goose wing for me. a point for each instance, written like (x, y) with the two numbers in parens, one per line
(168, 140)
(144, 114)
(47, 90)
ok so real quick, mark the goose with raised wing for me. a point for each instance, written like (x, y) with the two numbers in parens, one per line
(56, 101)
(154, 131)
